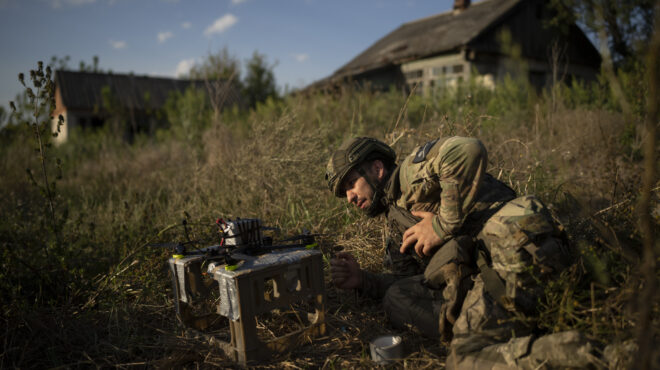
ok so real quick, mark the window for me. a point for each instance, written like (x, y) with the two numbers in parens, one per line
(444, 70)
(418, 86)
(447, 81)
(414, 74)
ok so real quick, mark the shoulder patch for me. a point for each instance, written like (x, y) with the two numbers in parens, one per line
(423, 151)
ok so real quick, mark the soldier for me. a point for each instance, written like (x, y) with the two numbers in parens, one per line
(466, 256)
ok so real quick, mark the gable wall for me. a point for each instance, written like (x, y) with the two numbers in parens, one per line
(525, 22)
(430, 73)
(526, 25)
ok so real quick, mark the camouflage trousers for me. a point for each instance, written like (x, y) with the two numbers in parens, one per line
(486, 336)
(493, 332)
(409, 302)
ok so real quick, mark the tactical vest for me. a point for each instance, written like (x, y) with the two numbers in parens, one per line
(521, 244)
(492, 194)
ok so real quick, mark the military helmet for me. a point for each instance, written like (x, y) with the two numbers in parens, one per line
(350, 154)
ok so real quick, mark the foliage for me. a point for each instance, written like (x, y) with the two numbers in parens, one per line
(189, 114)
(22, 101)
(23, 110)
(259, 81)
(62, 63)
(105, 299)
(220, 65)
(50, 247)
(93, 67)
(3, 116)
(113, 108)
(628, 23)
(257, 85)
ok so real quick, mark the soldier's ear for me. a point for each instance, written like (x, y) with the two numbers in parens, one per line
(379, 169)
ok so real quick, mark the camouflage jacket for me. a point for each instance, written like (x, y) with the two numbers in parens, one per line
(444, 176)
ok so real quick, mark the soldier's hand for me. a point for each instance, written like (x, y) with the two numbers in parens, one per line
(345, 270)
(421, 236)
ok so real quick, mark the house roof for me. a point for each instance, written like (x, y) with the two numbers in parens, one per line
(429, 36)
(82, 90)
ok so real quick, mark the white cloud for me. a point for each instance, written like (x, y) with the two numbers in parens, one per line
(184, 67)
(236, 2)
(163, 36)
(186, 25)
(60, 3)
(301, 57)
(221, 24)
(118, 44)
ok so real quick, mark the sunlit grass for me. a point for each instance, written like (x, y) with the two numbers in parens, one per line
(109, 302)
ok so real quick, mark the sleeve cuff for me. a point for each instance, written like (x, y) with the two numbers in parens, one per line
(438, 228)
(366, 283)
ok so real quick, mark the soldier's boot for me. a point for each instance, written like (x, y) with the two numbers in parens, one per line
(563, 350)
(458, 282)
(449, 271)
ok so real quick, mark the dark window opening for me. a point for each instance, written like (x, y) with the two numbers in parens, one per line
(96, 122)
(414, 74)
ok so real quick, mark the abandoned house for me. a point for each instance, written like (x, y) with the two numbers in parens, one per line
(131, 103)
(446, 48)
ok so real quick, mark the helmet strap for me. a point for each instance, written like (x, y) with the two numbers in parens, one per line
(378, 204)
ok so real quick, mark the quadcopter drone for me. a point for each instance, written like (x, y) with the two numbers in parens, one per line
(192, 268)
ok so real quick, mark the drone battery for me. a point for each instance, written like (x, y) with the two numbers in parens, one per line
(243, 232)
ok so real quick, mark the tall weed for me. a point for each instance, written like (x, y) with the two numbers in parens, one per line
(270, 163)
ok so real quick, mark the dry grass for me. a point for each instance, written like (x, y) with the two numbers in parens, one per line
(116, 309)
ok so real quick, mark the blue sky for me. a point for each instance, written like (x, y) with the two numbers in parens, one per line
(307, 39)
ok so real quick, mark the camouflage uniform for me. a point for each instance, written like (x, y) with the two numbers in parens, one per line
(446, 177)
(512, 241)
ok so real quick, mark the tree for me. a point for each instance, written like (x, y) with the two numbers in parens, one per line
(188, 113)
(627, 23)
(93, 67)
(259, 80)
(3, 116)
(220, 65)
(257, 86)
(58, 63)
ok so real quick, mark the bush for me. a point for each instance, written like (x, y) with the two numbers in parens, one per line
(189, 114)
(106, 296)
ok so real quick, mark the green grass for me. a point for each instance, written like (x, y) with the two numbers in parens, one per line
(93, 293)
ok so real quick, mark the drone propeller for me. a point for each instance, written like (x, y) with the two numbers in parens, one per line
(299, 237)
(180, 248)
(165, 245)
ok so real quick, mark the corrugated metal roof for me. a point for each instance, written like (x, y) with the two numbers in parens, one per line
(429, 36)
(82, 90)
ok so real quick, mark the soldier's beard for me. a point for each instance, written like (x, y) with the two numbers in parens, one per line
(378, 204)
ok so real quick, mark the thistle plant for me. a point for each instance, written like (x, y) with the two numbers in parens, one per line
(41, 100)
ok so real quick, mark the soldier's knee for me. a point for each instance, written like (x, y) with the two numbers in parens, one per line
(394, 296)
(409, 304)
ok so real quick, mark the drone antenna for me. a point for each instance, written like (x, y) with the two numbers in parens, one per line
(184, 222)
